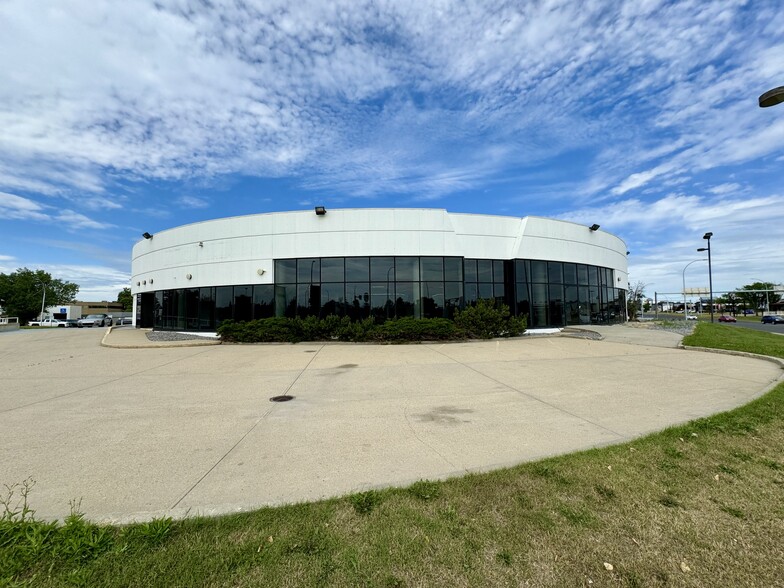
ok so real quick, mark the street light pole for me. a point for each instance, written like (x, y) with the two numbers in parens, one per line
(684, 285)
(707, 237)
(43, 300)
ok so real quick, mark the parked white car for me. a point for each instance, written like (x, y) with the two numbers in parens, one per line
(48, 322)
(691, 317)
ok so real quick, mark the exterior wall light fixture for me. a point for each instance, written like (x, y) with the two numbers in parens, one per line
(321, 211)
(594, 227)
(188, 276)
(201, 243)
(146, 235)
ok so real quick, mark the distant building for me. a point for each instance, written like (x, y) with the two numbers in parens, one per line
(382, 263)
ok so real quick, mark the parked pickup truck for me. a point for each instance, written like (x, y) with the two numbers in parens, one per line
(95, 320)
(48, 322)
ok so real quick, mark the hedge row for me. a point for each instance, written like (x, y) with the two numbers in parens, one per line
(483, 321)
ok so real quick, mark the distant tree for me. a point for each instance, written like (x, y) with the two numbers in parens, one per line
(757, 300)
(22, 292)
(126, 299)
(634, 299)
(646, 307)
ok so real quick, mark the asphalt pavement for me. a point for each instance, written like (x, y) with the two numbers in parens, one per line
(145, 431)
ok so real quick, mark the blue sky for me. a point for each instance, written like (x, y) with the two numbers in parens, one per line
(123, 117)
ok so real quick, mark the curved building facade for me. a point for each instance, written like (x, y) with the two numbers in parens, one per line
(382, 263)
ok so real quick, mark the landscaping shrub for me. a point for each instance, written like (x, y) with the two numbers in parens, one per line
(497, 323)
(487, 319)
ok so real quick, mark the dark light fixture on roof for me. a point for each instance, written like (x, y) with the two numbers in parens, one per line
(594, 227)
(772, 97)
(146, 235)
(321, 211)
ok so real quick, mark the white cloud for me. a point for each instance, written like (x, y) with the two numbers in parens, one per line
(177, 90)
(192, 202)
(18, 207)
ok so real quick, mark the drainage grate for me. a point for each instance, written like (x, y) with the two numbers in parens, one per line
(281, 398)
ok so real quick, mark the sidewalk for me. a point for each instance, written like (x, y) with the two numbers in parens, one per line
(191, 430)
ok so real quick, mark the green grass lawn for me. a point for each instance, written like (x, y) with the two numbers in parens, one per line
(695, 505)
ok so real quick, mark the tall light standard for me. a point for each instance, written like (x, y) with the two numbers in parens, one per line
(707, 237)
(684, 286)
(43, 300)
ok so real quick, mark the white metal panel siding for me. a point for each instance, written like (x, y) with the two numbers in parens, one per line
(241, 250)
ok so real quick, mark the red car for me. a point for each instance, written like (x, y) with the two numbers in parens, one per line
(727, 319)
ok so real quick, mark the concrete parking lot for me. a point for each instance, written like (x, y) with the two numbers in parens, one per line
(144, 432)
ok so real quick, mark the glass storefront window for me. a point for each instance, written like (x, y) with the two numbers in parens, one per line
(582, 275)
(555, 272)
(407, 302)
(357, 269)
(539, 271)
(224, 301)
(453, 269)
(484, 270)
(308, 270)
(407, 269)
(431, 286)
(498, 271)
(432, 268)
(207, 309)
(332, 269)
(358, 300)
(470, 270)
(332, 298)
(243, 303)
(285, 271)
(382, 269)
(263, 301)
(433, 304)
(570, 274)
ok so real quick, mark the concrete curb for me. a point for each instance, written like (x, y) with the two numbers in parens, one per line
(156, 344)
(776, 360)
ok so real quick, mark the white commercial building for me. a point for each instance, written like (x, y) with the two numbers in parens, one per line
(383, 263)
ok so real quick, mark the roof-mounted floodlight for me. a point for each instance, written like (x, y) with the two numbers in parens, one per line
(594, 227)
(321, 211)
(772, 97)
(146, 235)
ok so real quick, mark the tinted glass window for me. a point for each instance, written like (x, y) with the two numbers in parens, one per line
(382, 269)
(432, 268)
(206, 309)
(407, 301)
(555, 272)
(523, 304)
(498, 270)
(570, 273)
(593, 275)
(470, 270)
(539, 271)
(331, 298)
(538, 316)
(286, 300)
(332, 269)
(471, 293)
(358, 300)
(407, 269)
(243, 303)
(433, 305)
(224, 300)
(556, 305)
(453, 297)
(357, 269)
(263, 301)
(192, 309)
(486, 290)
(453, 269)
(285, 270)
(308, 271)
(582, 275)
(520, 274)
(308, 299)
(484, 270)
